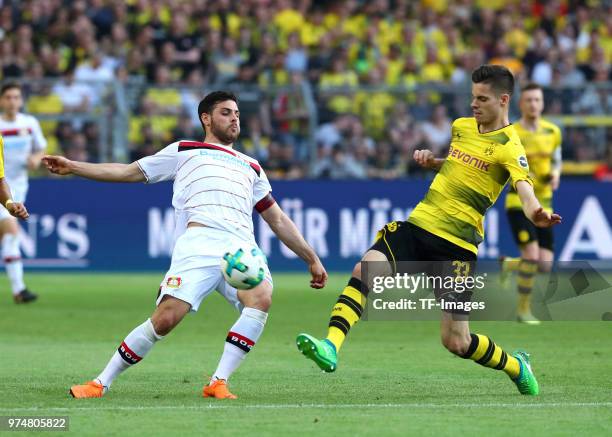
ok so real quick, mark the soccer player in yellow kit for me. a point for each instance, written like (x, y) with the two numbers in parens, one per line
(542, 142)
(447, 226)
(16, 209)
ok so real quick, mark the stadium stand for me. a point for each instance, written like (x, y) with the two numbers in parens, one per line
(118, 79)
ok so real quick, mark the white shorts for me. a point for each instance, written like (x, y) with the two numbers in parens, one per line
(18, 194)
(195, 271)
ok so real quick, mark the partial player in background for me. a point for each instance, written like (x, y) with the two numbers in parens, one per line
(542, 142)
(215, 191)
(24, 146)
(446, 228)
(15, 209)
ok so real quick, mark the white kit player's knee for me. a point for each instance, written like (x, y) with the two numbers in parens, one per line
(10, 247)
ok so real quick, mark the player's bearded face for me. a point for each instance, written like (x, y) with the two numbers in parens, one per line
(225, 122)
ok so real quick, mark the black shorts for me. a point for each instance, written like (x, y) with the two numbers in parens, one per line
(430, 254)
(525, 232)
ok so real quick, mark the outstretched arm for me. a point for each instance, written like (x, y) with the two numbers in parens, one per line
(532, 208)
(108, 172)
(289, 234)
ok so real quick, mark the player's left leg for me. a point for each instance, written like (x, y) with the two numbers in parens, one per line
(241, 337)
(457, 338)
(508, 265)
(547, 257)
(11, 255)
(526, 236)
(528, 269)
(139, 342)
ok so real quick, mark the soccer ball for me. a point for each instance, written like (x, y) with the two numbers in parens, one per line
(243, 266)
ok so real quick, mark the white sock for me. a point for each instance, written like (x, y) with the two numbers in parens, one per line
(133, 349)
(240, 339)
(12, 262)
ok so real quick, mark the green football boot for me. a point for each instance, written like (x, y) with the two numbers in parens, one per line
(322, 352)
(526, 382)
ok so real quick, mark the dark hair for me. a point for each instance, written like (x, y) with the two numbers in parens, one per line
(207, 104)
(9, 86)
(498, 76)
(531, 86)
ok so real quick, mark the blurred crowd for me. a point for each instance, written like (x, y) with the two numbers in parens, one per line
(384, 74)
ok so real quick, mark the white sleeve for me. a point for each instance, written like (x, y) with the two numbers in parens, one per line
(39, 143)
(261, 189)
(161, 166)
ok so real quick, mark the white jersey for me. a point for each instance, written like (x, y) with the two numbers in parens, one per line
(22, 138)
(214, 185)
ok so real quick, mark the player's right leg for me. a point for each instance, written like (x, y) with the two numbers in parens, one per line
(11, 255)
(507, 266)
(135, 346)
(351, 303)
(346, 312)
(183, 288)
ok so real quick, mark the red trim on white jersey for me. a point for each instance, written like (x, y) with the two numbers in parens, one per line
(265, 203)
(15, 132)
(192, 145)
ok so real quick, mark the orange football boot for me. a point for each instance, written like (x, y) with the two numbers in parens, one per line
(91, 389)
(219, 390)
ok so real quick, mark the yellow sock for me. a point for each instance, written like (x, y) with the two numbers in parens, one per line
(486, 353)
(526, 279)
(524, 303)
(511, 264)
(347, 311)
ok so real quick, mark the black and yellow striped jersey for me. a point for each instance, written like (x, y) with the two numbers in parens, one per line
(469, 182)
(540, 147)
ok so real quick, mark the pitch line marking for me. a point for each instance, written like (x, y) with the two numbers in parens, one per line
(316, 406)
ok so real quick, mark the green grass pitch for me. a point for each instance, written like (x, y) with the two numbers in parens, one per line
(394, 378)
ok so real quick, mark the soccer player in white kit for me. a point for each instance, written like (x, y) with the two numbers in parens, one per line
(24, 147)
(15, 209)
(215, 191)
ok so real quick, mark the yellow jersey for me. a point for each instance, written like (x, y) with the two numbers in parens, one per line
(477, 168)
(1, 157)
(540, 146)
